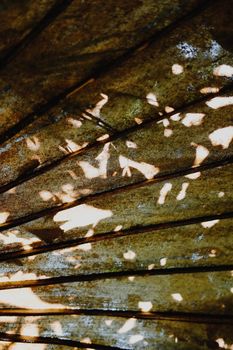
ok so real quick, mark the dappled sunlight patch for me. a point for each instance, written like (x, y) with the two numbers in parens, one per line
(152, 99)
(164, 192)
(192, 119)
(99, 105)
(221, 194)
(131, 144)
(85, 247)
(3, 216)
(151, 266)
(138, 120)
(21, 276)
(168, 132)
(193, 176)
(201, 154)
(92, 172)
(169, 109)
(68, 194)
(177, 297)
(127, 326)
(222, 137)
(176, 117)
(177, 69)
(118, 228)
(80, 216)
(129, 255)
(148, 170)
(108, 322)
(33, 143)
(103, 137)
(46, 195)
(71, 146)
(25, 298)
(74, 122)
(181, 195)
(30, 330)
(218, 102)
(12, 237)
(135, 338)
(223, 345)
(224, 70)
(145, 306)
(57, 328)
(163, 261)
(131, 278)
(164, 121)
(28, 346)
(209, 90)
(209, 224)
(212, 253)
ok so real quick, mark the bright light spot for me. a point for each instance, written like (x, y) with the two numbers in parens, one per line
(165, 122)
(46, 195)
(118, 228)
(25, 298)
(96, 110)
(30, 330)
(108, 322)
(90, 171)
(177, 69)
(223, 71)
(148, 170)
(152, 99)
(145, 306)
(28, 346)
(175, 117)
(74, 122)
(212, 253)
(191, 119)
(89, 233)
(135, 338)
(151, 266)
(209, 90)
(131, 144)
(128, 325)
(221, 194)
(231, 290)
(168, 132)
(81, 215)
(208, 224)
(72, 146)
(138, 120)
(163, 261)
(201, 154)
(85, 247)
(193, 176)
(222, 344)
(177, 297)
(218, 102)
(3, 216)
(222, 137)
(33, 143)
(131, 278)
(169, 109)
(86, 340)
(129, 255)
(103, 137)
(57, 328)
(182, 193)
(163, 192)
